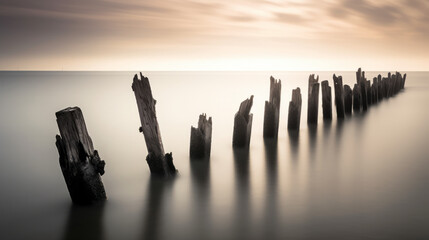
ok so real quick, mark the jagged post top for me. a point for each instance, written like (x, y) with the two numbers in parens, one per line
(80, 133)
(245, 107)
(296, 95)
(203, 121)
(275, 90)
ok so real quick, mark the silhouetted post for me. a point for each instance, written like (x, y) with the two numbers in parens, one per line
(356, 98)
(159, 162)
(368, 92)
(201, 138)
(313, 100)
(379, 88)
(348, 99)
(339, 96)
(361, 80)
(294, 115)
(80, 163)
(243, 124)
(272, 110)
(374, 89)
(326, 100)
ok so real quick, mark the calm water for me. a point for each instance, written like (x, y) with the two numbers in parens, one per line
(363, 178)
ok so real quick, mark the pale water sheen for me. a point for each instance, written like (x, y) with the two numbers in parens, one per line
(363, 178)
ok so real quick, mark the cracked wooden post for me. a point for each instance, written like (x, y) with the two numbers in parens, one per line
(326, 100)
(313, 100)
(80, 163)
(357, 98)
(243, 124)
(339, 96)
(294, 115)
(201, 138)
(159, 162)
(348, 99)
(272, 109)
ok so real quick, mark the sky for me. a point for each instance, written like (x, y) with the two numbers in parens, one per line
(186, 35)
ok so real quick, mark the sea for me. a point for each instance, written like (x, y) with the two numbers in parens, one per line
(364, 177)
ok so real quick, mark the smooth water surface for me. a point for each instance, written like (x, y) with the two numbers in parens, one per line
(362, 178)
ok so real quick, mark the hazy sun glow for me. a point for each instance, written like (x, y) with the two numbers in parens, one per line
(214, 35)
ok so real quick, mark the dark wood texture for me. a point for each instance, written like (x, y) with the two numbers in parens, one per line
(326, 100)
(348, 99)
(243, 124)
(159, 162)
(294, 114)
(357, 98)
(272, 109)
(313, 100)
(201, 138)
(80, 163)
(339, 96)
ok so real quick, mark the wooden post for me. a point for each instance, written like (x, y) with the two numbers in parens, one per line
(201, 138)
(326, 100)
(243, 124)
(357, 103)
(361, 81)
(159, 162)
(348, 99)
(272, 110)
(379, 88)
(339, 96)
(79, 162)
(294, 115)
(313, 100)
(368, 91)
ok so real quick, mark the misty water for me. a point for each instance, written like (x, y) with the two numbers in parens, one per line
(365, 177)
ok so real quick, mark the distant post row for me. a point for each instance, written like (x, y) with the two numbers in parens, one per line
(82, 166)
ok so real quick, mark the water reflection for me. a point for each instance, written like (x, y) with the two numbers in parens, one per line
(157, 189)
(270, 230)
(200, 173)
(294, 143)
(85, 222)
(242, 183)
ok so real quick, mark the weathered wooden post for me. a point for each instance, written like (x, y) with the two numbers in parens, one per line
(80, 163)
(339, 96)
(356, 98)
(379, 88)
(326, 100)
(159, 162)
(201, 138)
(243, 124)
(348, 99)
(313, 100)
(294, 115)
(272, 110)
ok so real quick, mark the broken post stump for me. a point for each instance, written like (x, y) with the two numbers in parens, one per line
(272, 109)
(294, 115)
(313, 100)
(159, 163)
(357, 103)
(80, 163)
(326, 100)
(243, 124)
(339, 96)
(201, 138)
(348, 99)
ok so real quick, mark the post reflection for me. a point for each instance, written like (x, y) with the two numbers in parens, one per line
(271, 174)
(200, 174)
(85, 222)
(157, 189)
(242, 216)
